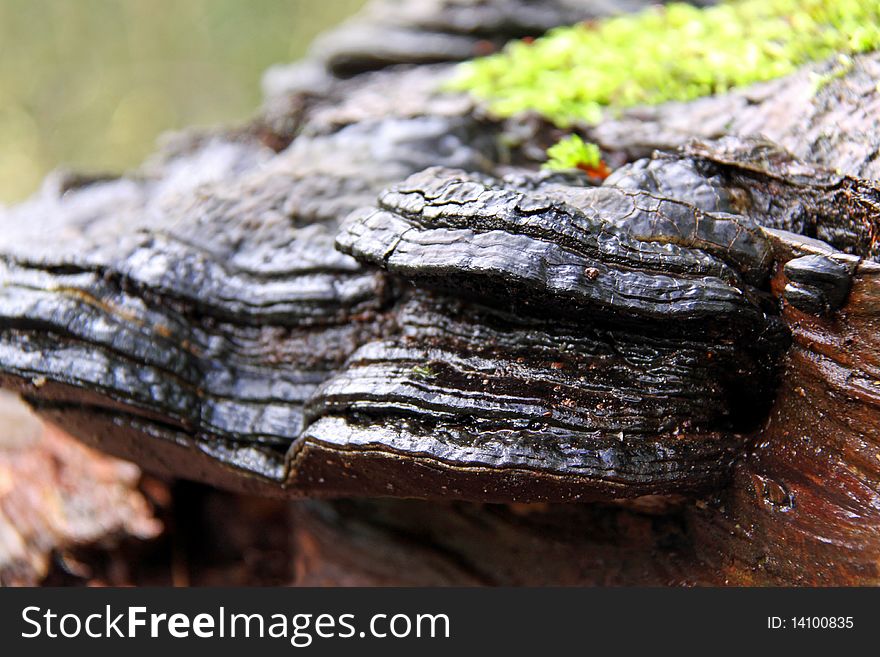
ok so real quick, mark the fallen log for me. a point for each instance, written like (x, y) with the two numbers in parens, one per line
(368, 292)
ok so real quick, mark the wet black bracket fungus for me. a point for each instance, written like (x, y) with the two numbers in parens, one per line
(599, 342)
(607, 334)
(818, 284)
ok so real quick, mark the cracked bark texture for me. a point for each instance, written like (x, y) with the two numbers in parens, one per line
(366, 293)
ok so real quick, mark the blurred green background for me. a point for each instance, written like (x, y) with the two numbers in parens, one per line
(90, 84)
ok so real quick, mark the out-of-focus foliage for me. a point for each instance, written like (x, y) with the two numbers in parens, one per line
(677, 52)
(89, 84)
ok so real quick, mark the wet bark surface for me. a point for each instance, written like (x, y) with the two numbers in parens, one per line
(57, 495)
(371, 292)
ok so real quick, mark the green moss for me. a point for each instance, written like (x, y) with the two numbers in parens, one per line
(424, 371)
(572, 152)
(676, 52)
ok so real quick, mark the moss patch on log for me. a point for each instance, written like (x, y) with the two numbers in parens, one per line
(572, 153)
(677, 52)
